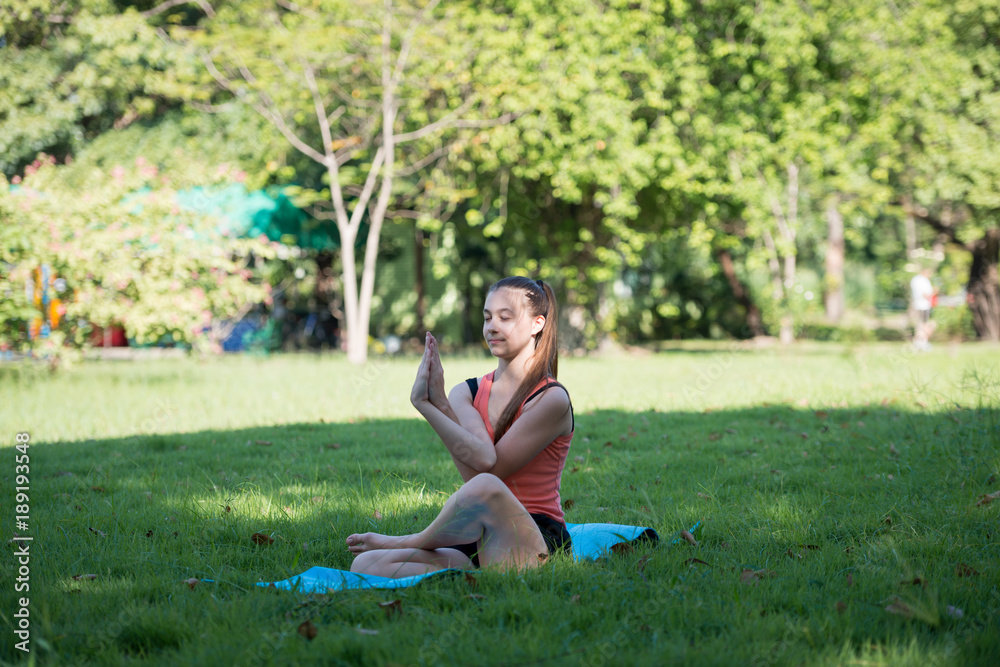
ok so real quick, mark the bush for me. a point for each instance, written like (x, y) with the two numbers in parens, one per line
(118, 251)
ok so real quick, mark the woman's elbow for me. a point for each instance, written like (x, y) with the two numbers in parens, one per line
(487, 463)
(485, 460)
(478, 456)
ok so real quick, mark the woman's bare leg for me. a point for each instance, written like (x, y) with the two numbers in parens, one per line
(482, 510)
(399, 563)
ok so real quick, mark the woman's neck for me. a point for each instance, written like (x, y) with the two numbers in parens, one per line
(514, 370)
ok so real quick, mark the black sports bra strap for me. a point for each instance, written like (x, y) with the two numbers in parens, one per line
(556, 384)
(551, 384)
(473, 386)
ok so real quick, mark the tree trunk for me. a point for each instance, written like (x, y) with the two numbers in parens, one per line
(418, 248)
(350, 277)
(984, 286)
(754, 322)
(834, 278)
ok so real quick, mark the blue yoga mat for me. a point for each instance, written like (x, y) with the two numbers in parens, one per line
(590, 541)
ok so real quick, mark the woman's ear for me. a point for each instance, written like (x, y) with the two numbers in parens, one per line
(538, 324)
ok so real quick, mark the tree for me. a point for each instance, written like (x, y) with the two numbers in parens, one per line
(74, 71)
(935, 68)
(351, 86)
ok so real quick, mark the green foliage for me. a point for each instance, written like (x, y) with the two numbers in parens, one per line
(127, 253)
(645, 137)
(75, 71)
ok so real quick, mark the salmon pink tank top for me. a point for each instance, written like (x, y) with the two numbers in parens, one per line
(536, 485)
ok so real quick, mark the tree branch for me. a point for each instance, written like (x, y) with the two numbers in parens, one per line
(164, 6)
(366, 192)
(298, 9)
(404, 48)
(453, 122)
(921, 213)
(424, 161)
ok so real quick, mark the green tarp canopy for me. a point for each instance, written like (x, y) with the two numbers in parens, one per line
(250, 214)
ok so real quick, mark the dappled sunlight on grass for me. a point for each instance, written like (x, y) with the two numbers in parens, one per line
(819, 509)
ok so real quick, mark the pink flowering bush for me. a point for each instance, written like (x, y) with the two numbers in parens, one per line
(128, 256)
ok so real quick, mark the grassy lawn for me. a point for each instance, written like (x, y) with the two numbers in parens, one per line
(837, 489)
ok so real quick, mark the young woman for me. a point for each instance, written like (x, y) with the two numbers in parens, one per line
(508, 434)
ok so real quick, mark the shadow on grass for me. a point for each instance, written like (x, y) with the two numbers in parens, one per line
(812, 500)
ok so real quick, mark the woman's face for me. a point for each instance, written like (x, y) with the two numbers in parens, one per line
(507, 326)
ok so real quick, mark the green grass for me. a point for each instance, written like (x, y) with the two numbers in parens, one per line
(845, 474)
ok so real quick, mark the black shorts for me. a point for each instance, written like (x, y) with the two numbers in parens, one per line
(554, 533)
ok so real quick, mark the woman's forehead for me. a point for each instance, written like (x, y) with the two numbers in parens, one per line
(502, 298)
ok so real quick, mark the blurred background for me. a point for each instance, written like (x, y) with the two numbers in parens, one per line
(223, 176)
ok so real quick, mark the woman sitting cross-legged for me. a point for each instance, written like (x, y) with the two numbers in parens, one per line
(508, 434)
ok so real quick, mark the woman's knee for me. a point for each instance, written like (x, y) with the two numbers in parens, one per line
(366, 561)
(484, 486)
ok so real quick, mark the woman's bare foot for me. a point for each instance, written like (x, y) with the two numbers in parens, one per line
(361, 542)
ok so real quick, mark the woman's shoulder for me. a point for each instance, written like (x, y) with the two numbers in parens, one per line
(544, 385)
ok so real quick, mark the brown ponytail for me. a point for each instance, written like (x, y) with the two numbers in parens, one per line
(540, 301)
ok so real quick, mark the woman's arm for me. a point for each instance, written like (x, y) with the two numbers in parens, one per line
(463, 433)
(543, 419)
(460, 396)
(468, 442)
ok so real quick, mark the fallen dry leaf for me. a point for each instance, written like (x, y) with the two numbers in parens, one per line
(261, 538)
(471, 581)
(332, 445)
(568, 504)
(98, 489)
(916, 581)
(307, 630)
(841, 607)
(821, 414)
(987, 498)
(377, 515)
(80, 577)
(899, 608)
(228, 509)
(192, 582)
(964, 570)
(850, 579)
(621, 548)
(575, 599)
(893, 450)
(689, 538)
(392, 607)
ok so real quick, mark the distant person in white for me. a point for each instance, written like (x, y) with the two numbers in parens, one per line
(922, 292)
